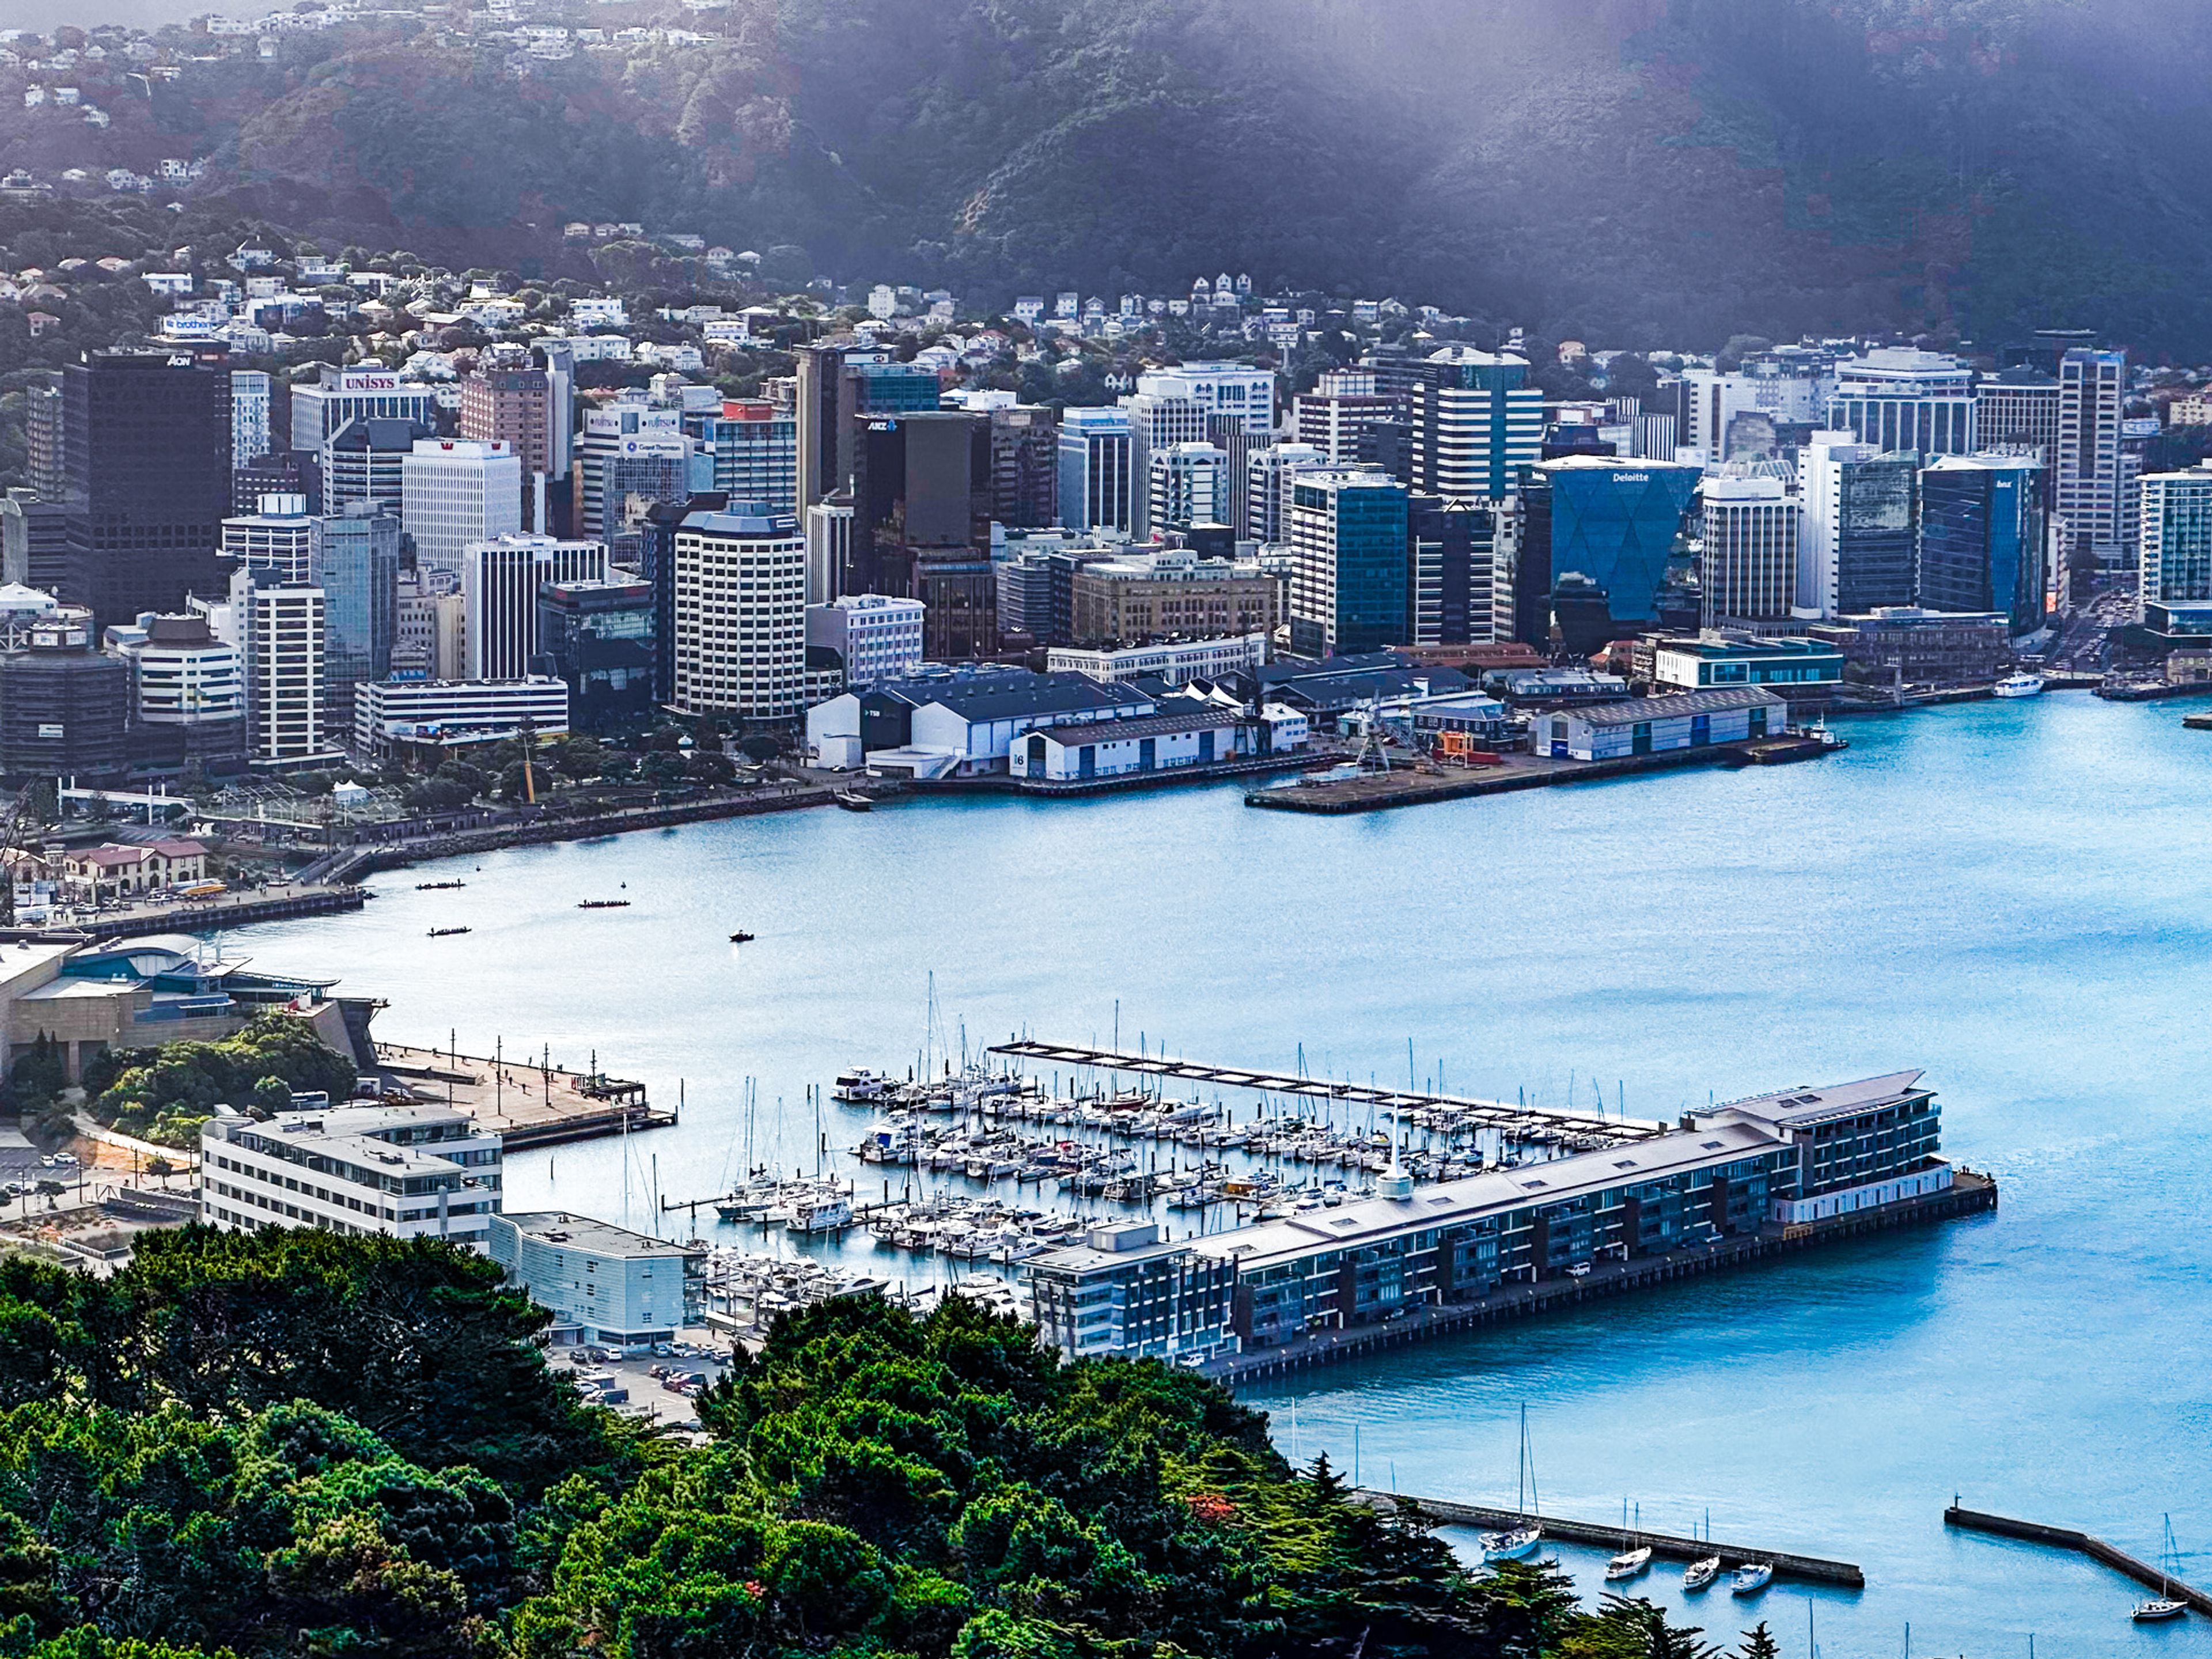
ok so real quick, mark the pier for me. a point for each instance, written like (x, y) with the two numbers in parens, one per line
(1969, 1193)
(1812, 1569)
(1516, 1122)
(2066, 1538)
(230, 910)
(525, 1102)
(1410, 785)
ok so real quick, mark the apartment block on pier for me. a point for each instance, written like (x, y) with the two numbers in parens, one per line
(1767, 1163)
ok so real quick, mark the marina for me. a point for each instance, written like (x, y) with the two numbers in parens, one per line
(1681, 937)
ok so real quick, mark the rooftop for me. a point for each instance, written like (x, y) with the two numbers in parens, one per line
(1679, 707)
(583, 1232)
(1803, 1106)
(1155, 726)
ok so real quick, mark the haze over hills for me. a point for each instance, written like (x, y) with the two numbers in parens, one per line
(1635, 172)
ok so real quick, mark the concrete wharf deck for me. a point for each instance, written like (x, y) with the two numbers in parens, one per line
(1970, 1192)
(1410, 785)
(1811, 1568)
(1513, 1119)
(2065, 1538)
(525, 1102)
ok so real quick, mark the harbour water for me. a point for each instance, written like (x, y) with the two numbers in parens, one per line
(2015, 895)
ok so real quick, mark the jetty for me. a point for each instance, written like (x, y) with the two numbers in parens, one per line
(1411, 786)
(1515, 1121)
(527, 1102)
(2066, 1538)
(1812, 1569)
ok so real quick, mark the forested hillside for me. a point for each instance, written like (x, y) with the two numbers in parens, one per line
(1633, 172)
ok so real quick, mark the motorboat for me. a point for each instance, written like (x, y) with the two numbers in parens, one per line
(2018, 685)
(1752, 1577)
(1514, 1546)
(447, 933)
(741, 938)
(854, 801)
(1698, 1574)
(1627, 1566)
(603, 904)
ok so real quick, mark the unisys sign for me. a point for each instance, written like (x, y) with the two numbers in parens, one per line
(368, 380)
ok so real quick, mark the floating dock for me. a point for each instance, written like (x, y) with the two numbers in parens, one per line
(1516, 1122)
(1970, 1192)
(2065, 1538)
(1811, 1568)
(525, 1102)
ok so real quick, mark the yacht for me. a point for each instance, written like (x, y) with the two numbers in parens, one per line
(1698, 1574)
(2159, 1608)
(2018, 685)
(1752, 1577)
(1627, 1566)
(1513, 1546)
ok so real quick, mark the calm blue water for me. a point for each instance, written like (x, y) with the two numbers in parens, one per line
(2016, 896)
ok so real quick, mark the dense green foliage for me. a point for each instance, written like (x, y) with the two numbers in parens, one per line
(290, 1443)
(165, 1094)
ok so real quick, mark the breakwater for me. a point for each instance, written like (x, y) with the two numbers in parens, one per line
(2081, 1543)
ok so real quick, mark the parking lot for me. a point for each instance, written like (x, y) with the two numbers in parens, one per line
(648, 1398)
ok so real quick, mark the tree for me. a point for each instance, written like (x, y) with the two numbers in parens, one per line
(1758, 1643)
(271, 1095)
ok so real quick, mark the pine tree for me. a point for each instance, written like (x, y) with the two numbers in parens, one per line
(1758, 1643)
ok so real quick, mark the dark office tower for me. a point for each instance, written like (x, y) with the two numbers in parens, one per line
(285, 474)
(48, 463)
(1981, 537)
(1024, 468)
(34, 541)
(148, 439)
(64, 706)
(1233, 436)
(1388, 446)
(1528, 605)
(920, 482)
(815, 396)
(1451, 562)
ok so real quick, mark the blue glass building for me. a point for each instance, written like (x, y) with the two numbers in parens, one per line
(1981, 537)
(1616, 522)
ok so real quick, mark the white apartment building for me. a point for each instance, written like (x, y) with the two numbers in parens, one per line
(1156, 423)
(741, 615)
(1237, 391)
(402, 1171)
(500, 580)
(610, 1285)
(2176, 539)
(276, 543)
(2087, 484)
(879, 637)
(1748, 570)
(389, 713)
(284, 627)
(454, 491)
(1187, 483)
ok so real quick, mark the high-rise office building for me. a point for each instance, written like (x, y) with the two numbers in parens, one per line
(284, 625)
(252, 396)
(2018, 409)
(285, 473)
(755, 450)
(1333, 416)
(1348, 542)
(1024, 468)
(148, 440)
(65, 707)
(1856, 533)
(2085, 487)
(1475, 423)
(365, 392)
(829, 549)
(740, 582)
(1097, 488)
(1614, 523)
(499, 580)
(1451, 549)
(628, 450)
(508, 400)
(1722, 413)
(875, 637)
(365, 465)
(275, 542)
(1982, 537)
(599, 636)
(1157, 420)
(1748, 574)
(921, 483)
(832, 387)
(187, 692)
(354, 557)
(1187, 484)
(1897, 398)
(46, 440)
(1267, 486)
(1237, 391)
(453, 492)
(34, 540)
(2174, 595)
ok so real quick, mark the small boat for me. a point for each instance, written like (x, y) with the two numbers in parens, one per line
(437, 886)
(1627, 1566)
(2018, 685)
(2157, 1609)
(1698, 1574)
(741, 938)
(1751, 1578)
(854, 801)
(447, 933)
(603, 904)
(1511, 1546)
